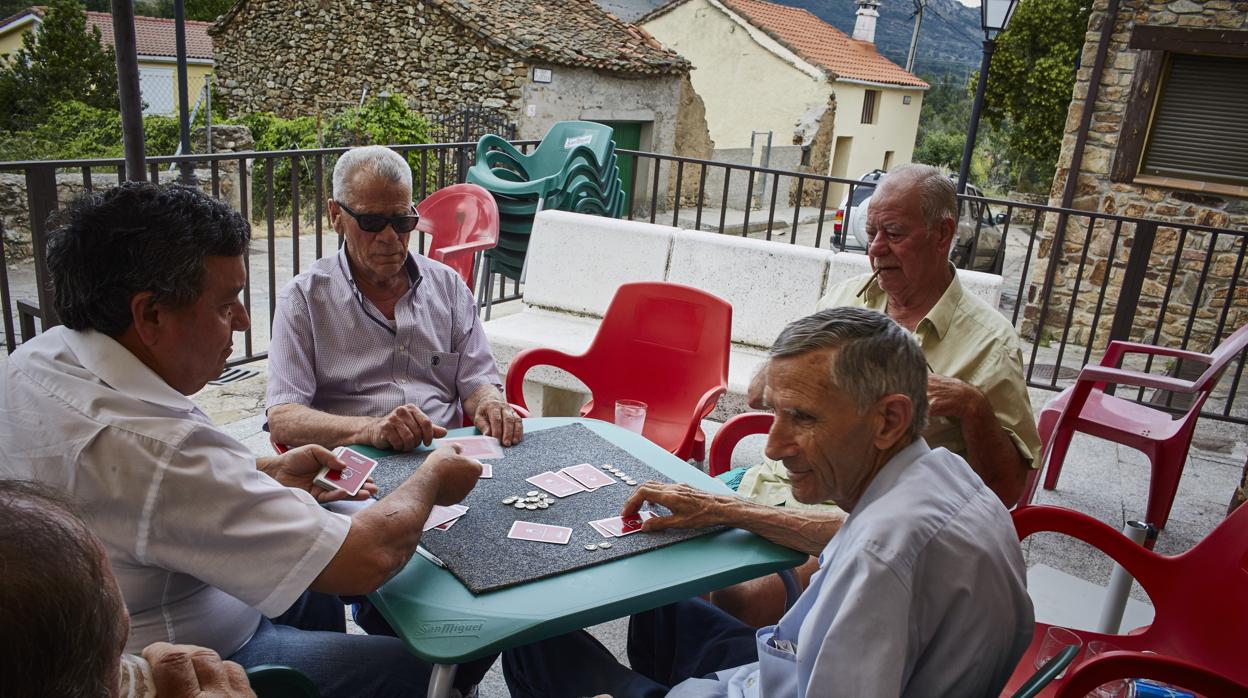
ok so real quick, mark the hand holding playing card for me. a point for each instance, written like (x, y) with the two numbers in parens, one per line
(298, 467)
(453, 475)
(691, 508)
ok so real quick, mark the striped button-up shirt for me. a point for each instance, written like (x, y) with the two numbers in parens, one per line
(334, 351)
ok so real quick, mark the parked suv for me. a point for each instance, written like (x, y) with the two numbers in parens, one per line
(975, 218)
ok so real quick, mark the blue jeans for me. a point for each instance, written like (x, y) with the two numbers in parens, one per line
(665, 646)
(311, 637)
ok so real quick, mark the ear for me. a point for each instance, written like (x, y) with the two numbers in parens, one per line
(946, 230)
(334, 211)
(146, 316)
(893, 415)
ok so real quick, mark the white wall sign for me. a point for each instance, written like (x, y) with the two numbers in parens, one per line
(541, 75)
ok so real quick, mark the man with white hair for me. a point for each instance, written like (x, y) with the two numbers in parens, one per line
(375, 345)
(979, 410)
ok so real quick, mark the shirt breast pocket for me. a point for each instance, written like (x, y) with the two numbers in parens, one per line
(443, 367)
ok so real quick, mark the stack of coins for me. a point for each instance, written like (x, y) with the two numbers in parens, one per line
(623, 476)
(531, 500)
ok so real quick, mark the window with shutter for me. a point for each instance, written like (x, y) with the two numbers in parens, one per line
(1199, 127)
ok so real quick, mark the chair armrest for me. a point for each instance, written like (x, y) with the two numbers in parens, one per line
(1118, 348)
(490, 142)
(1138, 665)
(1146, 566)
(1125, 376)
(705, 404)
(471, 247)
(730, 434)
(537, 356)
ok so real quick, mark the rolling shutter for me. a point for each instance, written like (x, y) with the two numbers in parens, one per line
(1200, 125)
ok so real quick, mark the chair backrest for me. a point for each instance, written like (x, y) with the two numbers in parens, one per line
(726, 439)
(458, 215)
(1200, 597)
(1132, 665)
(274, 681)
(1221, 357)
(664, 344)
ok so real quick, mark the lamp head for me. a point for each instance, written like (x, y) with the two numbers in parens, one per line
(995, 15)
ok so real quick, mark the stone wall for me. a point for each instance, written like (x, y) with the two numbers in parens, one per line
(343, 48)
(1096, 192)
(693, 140)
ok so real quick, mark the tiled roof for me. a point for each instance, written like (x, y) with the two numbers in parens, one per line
(562, 32)
(816, 41)
(154, 36)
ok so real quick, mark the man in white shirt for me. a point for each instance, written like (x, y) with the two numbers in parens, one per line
(210, 545)
(921, 591)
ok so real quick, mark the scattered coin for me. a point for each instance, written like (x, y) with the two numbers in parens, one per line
(622, 476)
(509, 500)
(604, 545)
(531, 493)
(532, 500)
(591, 546)
(543, 505)
(518, 505)
(608, 466)
(630, 483)
(530, 507)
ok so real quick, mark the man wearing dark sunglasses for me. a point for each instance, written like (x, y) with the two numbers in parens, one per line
(376, 345)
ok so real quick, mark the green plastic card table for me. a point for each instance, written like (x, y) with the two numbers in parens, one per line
(441, 622)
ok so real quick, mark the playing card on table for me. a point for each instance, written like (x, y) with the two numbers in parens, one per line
(462, 510)
(601, 531)
(556, 484)
(619, 526)
(351, 478)
(541, 533)
(487, 471)
(440, 515)
(589, 476)
(475, 446)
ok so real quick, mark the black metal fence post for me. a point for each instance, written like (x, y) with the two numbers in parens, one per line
(41, 197)
(1133, 279)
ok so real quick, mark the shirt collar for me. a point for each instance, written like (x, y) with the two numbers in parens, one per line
(940, 317)
(344, 268)
(887, 477)
(121, 370)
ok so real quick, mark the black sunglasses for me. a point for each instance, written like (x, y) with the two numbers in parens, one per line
(375, 222)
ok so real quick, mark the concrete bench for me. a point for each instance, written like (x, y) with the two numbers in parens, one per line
(576, 262)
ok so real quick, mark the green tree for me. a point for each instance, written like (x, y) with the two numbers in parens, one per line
(1030, 84)
(61, 61)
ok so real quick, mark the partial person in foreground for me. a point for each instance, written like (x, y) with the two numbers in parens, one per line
(375, 345)
(920, 591)
(63, 623)
(977, 394)
(210, 545)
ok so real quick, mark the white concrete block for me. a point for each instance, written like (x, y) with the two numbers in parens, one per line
(576, 262)
(847, 265)
(769, 284)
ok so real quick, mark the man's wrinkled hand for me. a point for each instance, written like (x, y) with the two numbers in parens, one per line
(691, 508)
(950, 397)
(495, 418)
(405, 428)
(187, 671)
(453, 475)
(298, 467)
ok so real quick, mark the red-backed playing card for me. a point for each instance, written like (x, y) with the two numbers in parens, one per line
(556, 484)
(487, 471)
(601, 531)
(619, 526)
(541, 533)
(458, 507)
(475, 446)
(589, 476)
(439, 515)
(351, 478)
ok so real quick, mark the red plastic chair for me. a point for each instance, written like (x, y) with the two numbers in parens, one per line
(1085, 407)
(1137, 665)
(462, 220)
(662, 343)
(1200, 597)
(733, 430)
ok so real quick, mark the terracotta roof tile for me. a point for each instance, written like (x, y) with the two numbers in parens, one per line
(817, 41)
(562, 32)
(154, 36)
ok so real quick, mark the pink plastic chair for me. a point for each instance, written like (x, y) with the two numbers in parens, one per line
(1200, 601)
(662, 343)
(1138, 665)
(733, 430)
(462, 220)
(1085, 407)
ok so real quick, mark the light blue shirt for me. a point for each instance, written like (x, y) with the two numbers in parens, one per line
(921, 593)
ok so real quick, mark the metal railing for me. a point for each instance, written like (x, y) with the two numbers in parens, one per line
(1105, 277)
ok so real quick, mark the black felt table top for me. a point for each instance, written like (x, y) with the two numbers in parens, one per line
(476, 548)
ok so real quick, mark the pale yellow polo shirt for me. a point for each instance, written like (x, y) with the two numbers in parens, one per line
(962, 337)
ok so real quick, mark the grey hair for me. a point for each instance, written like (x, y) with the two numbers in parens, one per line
(938, 197)
(875, 356)
(378, 160)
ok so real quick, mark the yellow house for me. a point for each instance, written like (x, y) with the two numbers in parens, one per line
(157, 53)
(759, 66)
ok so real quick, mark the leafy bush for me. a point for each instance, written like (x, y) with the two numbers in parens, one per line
(73, 130)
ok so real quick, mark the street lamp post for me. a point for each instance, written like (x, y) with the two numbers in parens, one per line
(994, 15)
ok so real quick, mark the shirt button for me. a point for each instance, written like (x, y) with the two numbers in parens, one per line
(402, 348)
(402, 381)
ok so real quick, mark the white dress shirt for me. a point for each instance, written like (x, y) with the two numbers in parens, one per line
(921, 593)
(202, 543)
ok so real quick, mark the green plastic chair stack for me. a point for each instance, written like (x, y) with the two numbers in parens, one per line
(574, 168)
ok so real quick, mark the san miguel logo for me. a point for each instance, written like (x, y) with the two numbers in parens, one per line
(452, 627)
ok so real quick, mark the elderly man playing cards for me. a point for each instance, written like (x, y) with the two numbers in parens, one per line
(921, 591)
(374, 345)
(210, 545)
